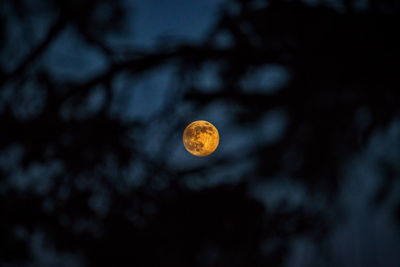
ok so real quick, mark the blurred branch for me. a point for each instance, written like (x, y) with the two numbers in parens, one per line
(265, 100)
(194, 54)
(37, 51)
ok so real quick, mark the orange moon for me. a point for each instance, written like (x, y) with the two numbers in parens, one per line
(200, 138)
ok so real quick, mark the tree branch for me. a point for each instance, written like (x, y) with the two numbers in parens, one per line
(37, 51)
(192, 54)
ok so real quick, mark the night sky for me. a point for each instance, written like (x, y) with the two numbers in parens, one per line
(94, 98)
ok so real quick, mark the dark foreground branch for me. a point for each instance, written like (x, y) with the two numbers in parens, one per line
(36, 52)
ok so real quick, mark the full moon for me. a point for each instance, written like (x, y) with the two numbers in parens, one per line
(200, 138)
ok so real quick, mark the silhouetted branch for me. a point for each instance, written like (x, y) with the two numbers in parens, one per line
(193, 54)
(266, 101)
(37, 51)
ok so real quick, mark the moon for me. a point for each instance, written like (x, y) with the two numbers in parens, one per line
(200, 138)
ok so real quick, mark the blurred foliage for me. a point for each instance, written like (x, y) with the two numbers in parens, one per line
(68, 153)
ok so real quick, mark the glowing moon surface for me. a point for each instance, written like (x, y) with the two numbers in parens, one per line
(200, 138)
